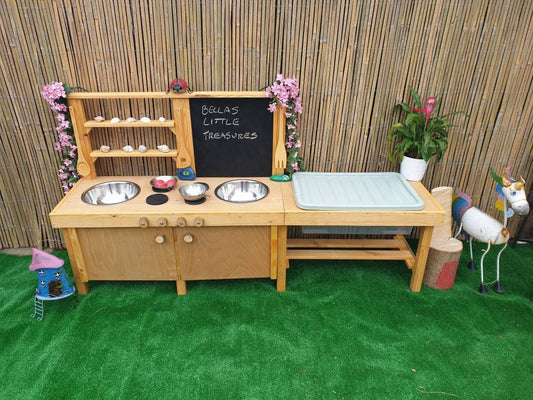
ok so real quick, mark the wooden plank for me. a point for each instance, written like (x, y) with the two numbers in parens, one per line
(281, 282)
(85, 164)
(164, 95)
(395, 243)
(274, 252)
(77, 262)
(124, 124)
(421, 258)
(135, 153)
(321, 254)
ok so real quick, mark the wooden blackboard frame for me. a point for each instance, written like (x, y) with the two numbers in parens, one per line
(232, 137)
(184, 128)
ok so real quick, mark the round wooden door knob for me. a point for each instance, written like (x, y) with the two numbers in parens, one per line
(162, 221)
(182, 222)
(160, 239)
(188, 238)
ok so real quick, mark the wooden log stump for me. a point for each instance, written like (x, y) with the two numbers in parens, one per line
(444, 250)
(441, 267)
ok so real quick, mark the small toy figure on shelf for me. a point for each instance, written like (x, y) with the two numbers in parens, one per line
(178, 85)
(53, 283)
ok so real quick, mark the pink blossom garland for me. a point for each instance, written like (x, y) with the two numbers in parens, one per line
(55, 95)
(284, 92)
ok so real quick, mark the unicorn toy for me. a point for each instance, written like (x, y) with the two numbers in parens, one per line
(480, 226)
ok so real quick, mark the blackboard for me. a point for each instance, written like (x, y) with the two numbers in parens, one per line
(232, 136)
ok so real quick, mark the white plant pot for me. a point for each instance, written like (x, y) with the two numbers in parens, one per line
(413, 169)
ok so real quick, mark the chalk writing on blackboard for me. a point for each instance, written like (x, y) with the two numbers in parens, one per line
(221, 123)
(232, 137)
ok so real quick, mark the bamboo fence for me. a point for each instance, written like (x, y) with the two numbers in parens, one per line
(354, 61)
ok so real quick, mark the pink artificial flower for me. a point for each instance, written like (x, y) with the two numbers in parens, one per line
(298, 144)
(58, 107)
(288, 145)
(298, 105)
(53, 91)
(272, 107)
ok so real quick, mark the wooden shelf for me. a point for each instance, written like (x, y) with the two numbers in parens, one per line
(136, 153)
(124, 124)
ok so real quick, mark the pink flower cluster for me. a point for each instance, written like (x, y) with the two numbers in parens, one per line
(55, 95)
(285, 92)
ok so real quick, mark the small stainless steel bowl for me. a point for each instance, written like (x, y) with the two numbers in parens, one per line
(241, 191)
(194, 191)
(113, 192)
(164, 178)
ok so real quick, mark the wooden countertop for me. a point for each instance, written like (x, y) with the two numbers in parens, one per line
(277, 208)
(72, 212)
(431, 215)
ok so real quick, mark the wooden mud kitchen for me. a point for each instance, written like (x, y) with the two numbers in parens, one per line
(114, 232)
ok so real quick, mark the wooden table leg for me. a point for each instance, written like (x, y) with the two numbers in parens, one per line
(77, 262)
(421, 258)
(282, 259)
(181, 287)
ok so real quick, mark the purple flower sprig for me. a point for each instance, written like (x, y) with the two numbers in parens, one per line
(285, 93)
(55, 95)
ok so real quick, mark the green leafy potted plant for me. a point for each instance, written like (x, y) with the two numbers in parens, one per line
(422, 136)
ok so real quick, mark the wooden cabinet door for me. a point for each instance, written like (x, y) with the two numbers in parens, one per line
(129, 253)
(224, 252)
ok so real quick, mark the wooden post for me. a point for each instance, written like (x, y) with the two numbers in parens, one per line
(421, 258)
(85, 165)
(182, 129)
(75, 256)
(282, 259)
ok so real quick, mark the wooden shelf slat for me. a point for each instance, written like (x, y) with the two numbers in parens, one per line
(123, 124)
(136, 153)
(164, 95)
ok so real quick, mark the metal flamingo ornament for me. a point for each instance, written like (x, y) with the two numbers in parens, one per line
(480, 226)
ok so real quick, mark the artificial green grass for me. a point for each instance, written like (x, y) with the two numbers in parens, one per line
(343, 330)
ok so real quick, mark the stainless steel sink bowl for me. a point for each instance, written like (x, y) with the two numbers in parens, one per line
(113, 192)
(241, 191)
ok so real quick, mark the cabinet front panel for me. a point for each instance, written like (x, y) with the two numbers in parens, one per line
(224, 252)
(129, 253)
